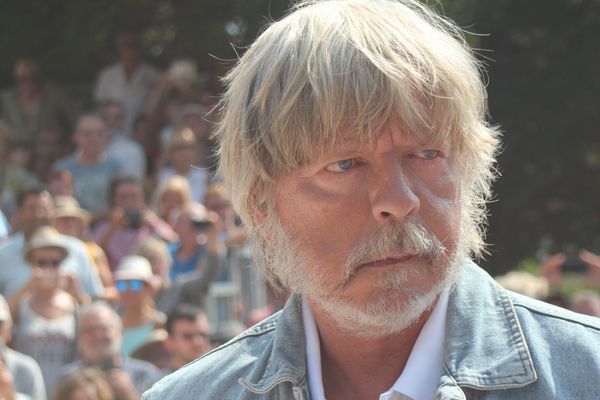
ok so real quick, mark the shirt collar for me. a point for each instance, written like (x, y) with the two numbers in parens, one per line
(422, 372)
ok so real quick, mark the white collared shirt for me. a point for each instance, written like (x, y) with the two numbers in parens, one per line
(421, 375)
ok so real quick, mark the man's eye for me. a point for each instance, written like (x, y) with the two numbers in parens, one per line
(428, 154)
(341, 166)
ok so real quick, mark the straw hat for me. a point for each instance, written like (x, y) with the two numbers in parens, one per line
(68, 206)
(45, 237)
(134, 267)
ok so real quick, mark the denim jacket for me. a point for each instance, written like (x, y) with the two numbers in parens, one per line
(499, 345)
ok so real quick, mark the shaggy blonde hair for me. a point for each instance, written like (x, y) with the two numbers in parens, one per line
(333, 70)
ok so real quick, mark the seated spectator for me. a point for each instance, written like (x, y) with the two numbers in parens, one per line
(130, 221)
(33, 106)
(133, 280)
(182, 154)
(171, 195)
(73, 221)
(15, 177)
(44, 310)
(85, 384)
(126, 151)
(189, 335)
(99, 343)
(20, 375)
(36, 209)
(90, 166)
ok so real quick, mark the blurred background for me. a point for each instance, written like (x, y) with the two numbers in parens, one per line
(541, 59)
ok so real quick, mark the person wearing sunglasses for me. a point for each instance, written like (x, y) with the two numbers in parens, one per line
(44, 310)
(133, 280)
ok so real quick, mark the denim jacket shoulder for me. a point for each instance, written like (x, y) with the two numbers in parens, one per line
(502, 345)
(265, 362)
(499, 345)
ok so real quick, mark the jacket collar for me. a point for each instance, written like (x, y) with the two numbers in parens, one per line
(485, 347)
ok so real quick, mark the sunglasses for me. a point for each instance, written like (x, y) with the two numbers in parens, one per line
(134, 285)
(47, 262)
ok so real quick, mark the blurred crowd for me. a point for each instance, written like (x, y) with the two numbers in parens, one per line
(121, 257)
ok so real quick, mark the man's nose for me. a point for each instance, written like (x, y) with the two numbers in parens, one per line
(392, 194)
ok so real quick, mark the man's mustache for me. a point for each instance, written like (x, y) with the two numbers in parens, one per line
(408, 237)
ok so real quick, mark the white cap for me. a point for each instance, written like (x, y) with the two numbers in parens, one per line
(134, 267)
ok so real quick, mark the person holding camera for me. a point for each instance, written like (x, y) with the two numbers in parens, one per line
(583, 264)
(43, 311)
(130, 221)
(198, 257)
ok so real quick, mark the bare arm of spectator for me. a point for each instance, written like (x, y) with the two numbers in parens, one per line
(7, 388)
(14, 301)
(158, 226)
(73, 287)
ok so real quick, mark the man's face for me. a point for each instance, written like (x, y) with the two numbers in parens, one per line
(37, 210)
(129, 195)
(189, 339)
(91, 136)
(99, 337)
(374, 230)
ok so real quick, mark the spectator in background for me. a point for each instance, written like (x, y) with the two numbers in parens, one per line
(13, 177)
(130, 221)
(189, 335)
(171, 196)
(128, 81)
(99, 344)
(217, 199)
(49, 148)
(194, 228)
(586, 302)
(25, 375)
(44, 310)
(192, 287)
(32, 107)
(121, 147)
(134, 280)
(180, 82)
(36, 209)
(85, 384)
(73, 221)
(157, 253)
(182, 153)
(90, 167)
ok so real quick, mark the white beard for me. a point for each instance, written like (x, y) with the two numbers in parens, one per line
(395, 305)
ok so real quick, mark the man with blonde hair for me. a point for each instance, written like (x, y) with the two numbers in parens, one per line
(355, 145)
